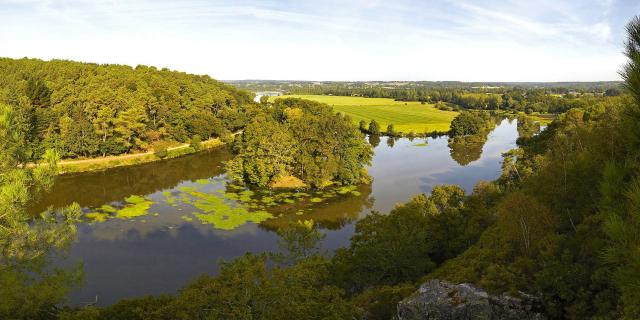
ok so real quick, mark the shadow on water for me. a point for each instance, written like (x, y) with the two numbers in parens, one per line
(97, 188)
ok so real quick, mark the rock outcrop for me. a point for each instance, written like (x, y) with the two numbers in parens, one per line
(443, 300)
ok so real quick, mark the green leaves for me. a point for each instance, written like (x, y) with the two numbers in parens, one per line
(300, 139)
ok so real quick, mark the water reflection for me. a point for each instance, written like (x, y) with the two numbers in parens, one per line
(528, 127)
(374, 140)
(333, 215)
(97, 188)
(410, 167)
(467, 149)
(163, 250)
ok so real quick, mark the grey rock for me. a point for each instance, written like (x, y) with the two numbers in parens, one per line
(443, 300)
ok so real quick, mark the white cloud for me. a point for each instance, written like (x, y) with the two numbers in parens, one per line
(547, 40)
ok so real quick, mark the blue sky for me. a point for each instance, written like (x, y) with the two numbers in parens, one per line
(541, 40)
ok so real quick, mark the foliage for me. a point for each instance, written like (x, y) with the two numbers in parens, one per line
(28, 288)
(467, 123)
(390, 130)
(381, 303)
(85, 110)
(196, 143)
(410, 241)
(303, 139)
(621, 191)
(33, 290)
(161, 152)
(21, 236)
(245, 289)
(374, 127)
(299, 241)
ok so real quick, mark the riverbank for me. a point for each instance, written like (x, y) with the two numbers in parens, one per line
(97, 164)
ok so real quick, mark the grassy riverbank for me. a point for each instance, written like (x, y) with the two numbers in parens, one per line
(96, 164)
(411, 116)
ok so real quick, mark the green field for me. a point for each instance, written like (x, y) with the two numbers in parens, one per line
(405, 116)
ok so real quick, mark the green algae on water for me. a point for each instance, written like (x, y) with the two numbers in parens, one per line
(223, 215)
(232, 219)
(97, 216)
(107, 208)
(136, 208)
(134, 199)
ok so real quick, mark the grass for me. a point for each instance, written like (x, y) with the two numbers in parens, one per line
(95, 164)
(405, 116)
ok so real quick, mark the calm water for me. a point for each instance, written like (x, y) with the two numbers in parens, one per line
(180, 233)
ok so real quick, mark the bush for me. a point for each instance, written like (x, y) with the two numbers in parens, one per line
(390, 130)
(196, 143)
(381, 303)
(374, 127)
(161, 152)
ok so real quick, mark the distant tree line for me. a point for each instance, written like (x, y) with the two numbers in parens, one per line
(547, 100)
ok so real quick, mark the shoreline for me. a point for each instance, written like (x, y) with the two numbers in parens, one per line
(109, 162)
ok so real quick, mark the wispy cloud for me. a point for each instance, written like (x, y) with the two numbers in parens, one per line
(330, 39)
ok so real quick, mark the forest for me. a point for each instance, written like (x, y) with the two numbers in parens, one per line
(89, 110)
(561, 222)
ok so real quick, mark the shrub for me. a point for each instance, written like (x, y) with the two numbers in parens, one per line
(196, 143)
(161, 152)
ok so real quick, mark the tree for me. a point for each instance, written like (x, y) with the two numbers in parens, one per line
(196, 143)
(466, 123)
(28, 288)
(374, 127)
(362, 126)
(404, 245)
(21, 236)
(524, 222)
(390, 131)
(116, 109)
(130, 127)
(623, 217)
(266, 151)
(300, 140)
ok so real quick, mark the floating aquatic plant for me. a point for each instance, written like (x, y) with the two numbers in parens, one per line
(202, 181)
(97, 216)
(137, 207)
(134, 199)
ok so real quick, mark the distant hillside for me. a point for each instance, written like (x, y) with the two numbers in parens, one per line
(295, 86)
(86, 109)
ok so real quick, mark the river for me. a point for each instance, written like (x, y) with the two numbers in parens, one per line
(172, 241)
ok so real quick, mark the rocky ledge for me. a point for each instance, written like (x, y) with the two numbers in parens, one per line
(443, 300)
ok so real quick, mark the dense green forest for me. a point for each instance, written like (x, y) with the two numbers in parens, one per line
(300, 140)
(85, 110)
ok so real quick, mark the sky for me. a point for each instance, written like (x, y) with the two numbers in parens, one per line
(341, 40)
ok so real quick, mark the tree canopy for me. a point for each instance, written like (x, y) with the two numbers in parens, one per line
(300, 139)
(85, 109)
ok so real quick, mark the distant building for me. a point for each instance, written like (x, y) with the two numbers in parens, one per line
(260, 94)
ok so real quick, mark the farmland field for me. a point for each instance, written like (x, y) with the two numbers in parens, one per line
(405, 116)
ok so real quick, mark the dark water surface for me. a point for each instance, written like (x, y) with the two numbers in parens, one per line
(184, 216)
